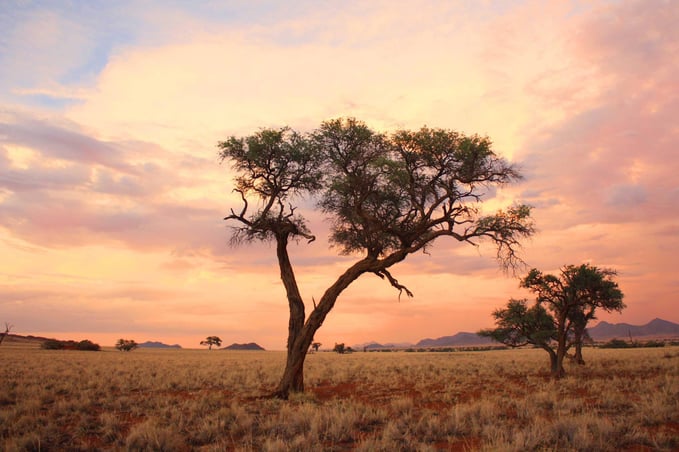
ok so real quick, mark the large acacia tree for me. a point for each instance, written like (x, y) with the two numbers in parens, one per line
(386, 197)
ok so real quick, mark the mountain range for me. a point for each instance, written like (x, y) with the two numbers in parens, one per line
(154, 344)
(248, 346)
(656, 328)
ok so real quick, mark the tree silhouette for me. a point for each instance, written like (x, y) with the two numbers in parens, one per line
(316, 346)
(126, 345)
(210, 341)
(386, 196)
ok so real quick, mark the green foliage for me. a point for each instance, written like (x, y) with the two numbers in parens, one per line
(564, 305)
(519, 325)
(126, 345)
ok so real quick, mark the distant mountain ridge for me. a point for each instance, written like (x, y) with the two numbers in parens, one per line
(654, 328)
(462, 339)
(155, 344)
(248, 346)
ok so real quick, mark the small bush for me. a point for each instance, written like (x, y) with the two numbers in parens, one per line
(52, 344)
(653, 344)
(617, 343)
(88, 346)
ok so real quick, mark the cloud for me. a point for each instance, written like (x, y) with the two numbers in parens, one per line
(74, 189)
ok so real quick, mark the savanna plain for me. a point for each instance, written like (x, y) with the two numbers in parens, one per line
(622, 399)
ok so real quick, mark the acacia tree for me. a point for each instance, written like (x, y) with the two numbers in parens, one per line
(386, 196)
(126, 345)
(573, 298)
(210, 341)
(564, 305)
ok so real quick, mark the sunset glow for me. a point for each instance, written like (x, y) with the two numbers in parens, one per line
(112, 195)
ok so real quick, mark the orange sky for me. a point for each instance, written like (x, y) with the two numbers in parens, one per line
(112, 196)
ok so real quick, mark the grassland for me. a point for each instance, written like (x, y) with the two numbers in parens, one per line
(213, 400)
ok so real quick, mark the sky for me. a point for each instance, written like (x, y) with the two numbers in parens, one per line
(112, 196)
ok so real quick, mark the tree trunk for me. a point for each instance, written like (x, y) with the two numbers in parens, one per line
(578, 352)
(295, 361)
(557, 362)
(300, 340)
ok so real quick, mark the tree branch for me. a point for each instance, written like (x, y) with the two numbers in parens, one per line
(384, 273)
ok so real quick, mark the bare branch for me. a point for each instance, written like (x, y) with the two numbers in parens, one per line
(384, 273)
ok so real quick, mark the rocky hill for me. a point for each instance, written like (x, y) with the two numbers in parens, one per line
(154, 344)
(248, 346)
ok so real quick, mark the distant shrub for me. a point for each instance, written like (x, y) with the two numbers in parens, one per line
(617, 343)
(88, 346)
(52, 344)
(653, 344)
(84, 345)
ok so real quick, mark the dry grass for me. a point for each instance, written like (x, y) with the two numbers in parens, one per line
(200, 400)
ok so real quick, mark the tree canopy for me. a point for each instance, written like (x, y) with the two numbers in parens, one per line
(210, 341)
(386, 196)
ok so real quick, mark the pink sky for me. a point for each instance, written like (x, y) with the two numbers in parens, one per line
(112, 196)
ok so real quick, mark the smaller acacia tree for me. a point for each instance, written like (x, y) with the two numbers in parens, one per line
(126, 345)
(210, 341)
(316, 346)
(571, 298)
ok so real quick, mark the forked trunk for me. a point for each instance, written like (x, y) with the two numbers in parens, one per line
(555, 366)
(293, 375)
(300, 339)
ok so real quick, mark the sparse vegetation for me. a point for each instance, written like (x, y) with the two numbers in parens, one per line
(186, 400)
(619, 343)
